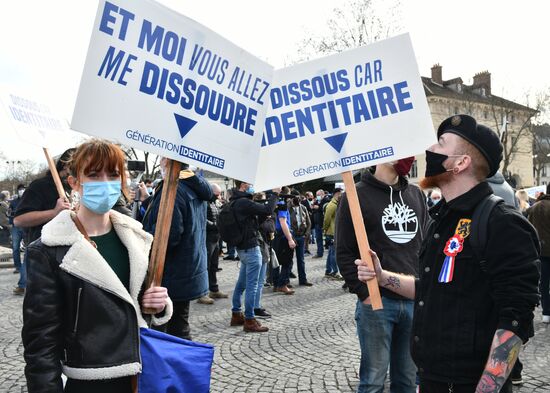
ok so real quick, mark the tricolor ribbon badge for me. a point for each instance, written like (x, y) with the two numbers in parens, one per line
(452, 248)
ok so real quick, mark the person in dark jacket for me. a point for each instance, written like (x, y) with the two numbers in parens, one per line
(38, 205)
(318, 210)
(212, 248)
(186, 264)
(82, 309)
(539, 216)
(246, 212)
(395, 217)
(470, 318)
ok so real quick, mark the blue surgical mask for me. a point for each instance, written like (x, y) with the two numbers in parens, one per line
(318, 198)
(150, 190)
(250, 189)
(100, 196)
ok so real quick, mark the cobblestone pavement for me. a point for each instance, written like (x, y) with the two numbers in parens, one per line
(311, 345)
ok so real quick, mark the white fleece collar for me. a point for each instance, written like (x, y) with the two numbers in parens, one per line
(84, 261)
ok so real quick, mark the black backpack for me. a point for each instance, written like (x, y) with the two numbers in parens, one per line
(480, 223)
(231, 230)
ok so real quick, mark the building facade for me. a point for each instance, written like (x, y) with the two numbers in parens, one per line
(509, 119)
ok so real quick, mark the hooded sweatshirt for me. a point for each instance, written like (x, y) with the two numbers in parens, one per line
(395, 218)
(502, 189)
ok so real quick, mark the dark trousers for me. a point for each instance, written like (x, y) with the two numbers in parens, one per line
(284, 255)
(319, 239)
(545, 284)
(213, 255)
(178, 325)
(441, 387)
(300, 245)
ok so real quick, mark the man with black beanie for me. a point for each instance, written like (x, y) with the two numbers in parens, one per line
(472, 311)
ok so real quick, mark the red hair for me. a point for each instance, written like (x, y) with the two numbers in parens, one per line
(95, 155)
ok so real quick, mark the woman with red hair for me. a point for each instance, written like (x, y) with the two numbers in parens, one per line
(85, 288)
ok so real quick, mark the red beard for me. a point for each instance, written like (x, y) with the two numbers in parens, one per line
(435, 181)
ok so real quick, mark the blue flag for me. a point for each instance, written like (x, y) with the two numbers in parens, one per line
(172, 364)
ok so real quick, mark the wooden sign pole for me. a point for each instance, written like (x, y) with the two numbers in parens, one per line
(361, 236)
(164, 221)
(55, 175)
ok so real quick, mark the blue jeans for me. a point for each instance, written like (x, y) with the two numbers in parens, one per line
(332, 266)
(16, 238)
(300, 248)
(384, 338)
(261, 280)
(319, 239)
(251, 263)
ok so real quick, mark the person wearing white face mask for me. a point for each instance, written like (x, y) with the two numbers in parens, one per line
(85, 292)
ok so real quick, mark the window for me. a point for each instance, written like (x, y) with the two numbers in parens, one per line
(485, 115)
(414, 169)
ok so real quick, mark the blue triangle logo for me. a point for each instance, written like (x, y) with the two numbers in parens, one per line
(184, 124)
(337, 141)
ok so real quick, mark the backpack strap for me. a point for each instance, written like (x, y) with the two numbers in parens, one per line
(480, 223)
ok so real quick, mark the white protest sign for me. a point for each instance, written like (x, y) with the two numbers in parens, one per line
(32, 119)
(344, 112)
(161, 82)
(532, 191)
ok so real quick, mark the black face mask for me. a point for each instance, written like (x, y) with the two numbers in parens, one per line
(434, 163)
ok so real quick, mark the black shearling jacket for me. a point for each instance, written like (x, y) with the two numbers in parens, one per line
(78, 318)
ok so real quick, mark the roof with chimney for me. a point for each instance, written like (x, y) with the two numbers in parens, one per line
(479, 91)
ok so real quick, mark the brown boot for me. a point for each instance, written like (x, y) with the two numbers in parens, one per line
(237, 319)
(253, 326)
(284, 289)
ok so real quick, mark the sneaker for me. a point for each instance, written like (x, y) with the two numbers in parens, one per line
(337, 277)
(306, 284)
(205, 300)
(219, 269)
(516, 380)
(16, 271)
(261, 313)
(317, 256)
(292, 275)
(19, 291)
(546, 319)
(289, 286)
(217, 295)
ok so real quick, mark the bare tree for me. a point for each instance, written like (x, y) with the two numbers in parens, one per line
(513, 139)
(152, 161)
(541, 149)
(355, 23)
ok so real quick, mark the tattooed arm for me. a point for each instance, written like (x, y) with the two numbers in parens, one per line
(504, 353)
(399, 283)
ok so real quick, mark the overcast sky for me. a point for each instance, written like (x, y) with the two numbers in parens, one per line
(44, 43)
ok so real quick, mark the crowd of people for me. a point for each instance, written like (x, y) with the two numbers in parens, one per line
(456, 309)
